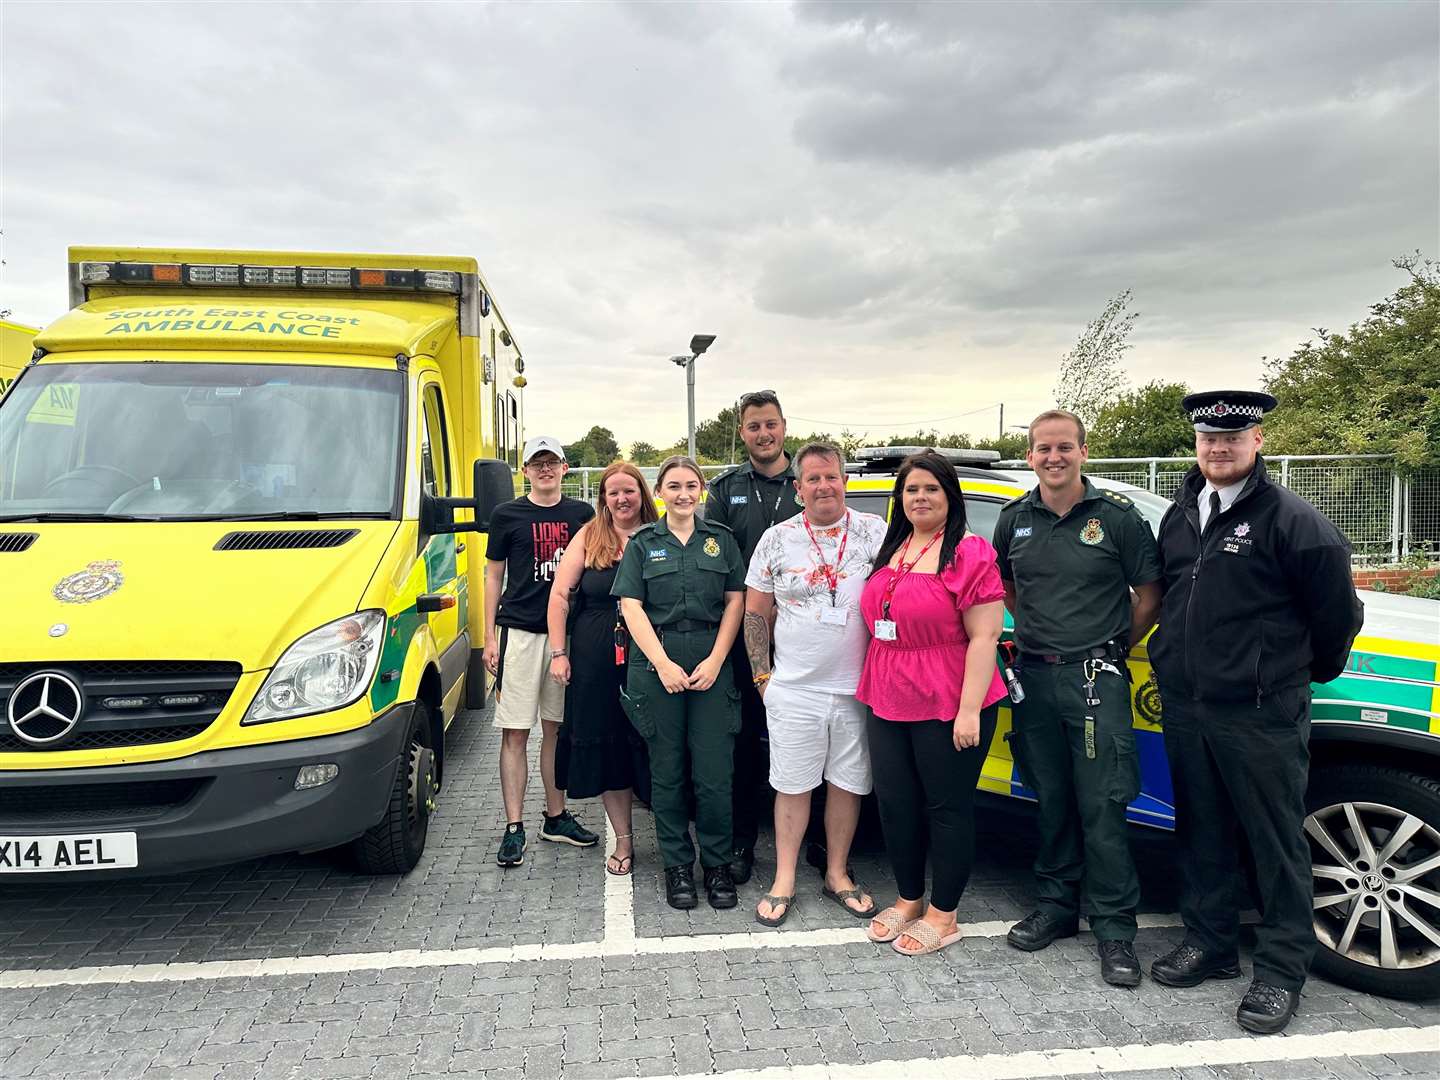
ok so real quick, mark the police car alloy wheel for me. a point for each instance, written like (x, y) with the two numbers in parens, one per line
(1374, 835)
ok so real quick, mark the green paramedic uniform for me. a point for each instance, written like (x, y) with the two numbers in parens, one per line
(683, 587)
(1073, 741)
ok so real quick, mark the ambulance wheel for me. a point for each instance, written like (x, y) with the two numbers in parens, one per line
(1374, 836)
(395, 845)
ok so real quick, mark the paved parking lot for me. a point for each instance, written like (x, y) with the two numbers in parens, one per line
(298, 967)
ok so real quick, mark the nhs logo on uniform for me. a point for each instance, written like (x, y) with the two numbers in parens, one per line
(736, 500)
(1023, 530)
(658, 553)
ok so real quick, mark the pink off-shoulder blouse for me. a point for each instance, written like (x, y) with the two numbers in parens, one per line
(918, 676)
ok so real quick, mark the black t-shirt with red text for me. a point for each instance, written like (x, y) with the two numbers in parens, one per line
(530, 540)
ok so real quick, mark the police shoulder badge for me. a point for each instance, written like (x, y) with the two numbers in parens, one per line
(95, 582)
(712, 547)
(1092, 533)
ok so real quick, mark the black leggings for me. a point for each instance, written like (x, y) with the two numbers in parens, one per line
(926, 791)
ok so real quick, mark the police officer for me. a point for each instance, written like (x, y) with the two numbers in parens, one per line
(1070, 554)
(749, 499)
(681, 585)
(1259, 603)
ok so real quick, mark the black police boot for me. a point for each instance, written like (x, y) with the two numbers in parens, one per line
(1118, 964)
(742, 864)
(1266, 1008)
(1187, 965)
(1039, 929)
(720, 887)
(680, 887)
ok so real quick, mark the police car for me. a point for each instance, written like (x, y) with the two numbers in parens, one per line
(1374, 796)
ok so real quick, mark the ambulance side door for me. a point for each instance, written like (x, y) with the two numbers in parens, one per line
(445, 555)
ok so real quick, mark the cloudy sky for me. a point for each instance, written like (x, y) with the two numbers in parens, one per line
(894, 214)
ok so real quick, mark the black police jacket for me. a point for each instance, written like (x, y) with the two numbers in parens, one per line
(1264, 601)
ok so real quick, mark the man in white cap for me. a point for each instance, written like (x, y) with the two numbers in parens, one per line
(527, 538)
(1259, 603)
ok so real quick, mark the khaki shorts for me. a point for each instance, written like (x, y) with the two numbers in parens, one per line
(524, 691)
(816, 735)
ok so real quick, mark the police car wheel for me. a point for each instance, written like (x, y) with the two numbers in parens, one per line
(1374, 835)
(395, 845)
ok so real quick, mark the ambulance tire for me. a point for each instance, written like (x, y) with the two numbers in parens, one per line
(395, 845)
(1383, 799)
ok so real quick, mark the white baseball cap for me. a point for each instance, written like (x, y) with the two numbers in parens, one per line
(539, 444)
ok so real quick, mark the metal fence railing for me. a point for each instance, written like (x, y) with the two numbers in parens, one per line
(1386, 515)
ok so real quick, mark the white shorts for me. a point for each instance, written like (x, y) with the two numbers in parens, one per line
(524, 691)
(816, 735)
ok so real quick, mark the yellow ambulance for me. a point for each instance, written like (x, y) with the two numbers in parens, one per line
(16, 344)
(240, 611)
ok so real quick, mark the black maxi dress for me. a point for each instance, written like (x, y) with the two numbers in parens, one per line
(598, 750)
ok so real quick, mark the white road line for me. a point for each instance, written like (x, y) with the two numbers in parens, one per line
(427, 958)
(1113, 1059)
(619, 895)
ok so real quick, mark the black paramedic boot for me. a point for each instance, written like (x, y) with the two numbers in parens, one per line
(680, 887)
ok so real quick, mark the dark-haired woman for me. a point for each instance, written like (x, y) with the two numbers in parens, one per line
(935, 608)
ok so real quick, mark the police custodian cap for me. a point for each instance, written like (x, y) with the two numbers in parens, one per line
(1227, 410)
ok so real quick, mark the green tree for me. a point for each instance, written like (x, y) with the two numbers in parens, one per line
(1091, 375)
(1147, 422)
(643, 453)
(1011, 446)
(596, 447)
(1372, 390)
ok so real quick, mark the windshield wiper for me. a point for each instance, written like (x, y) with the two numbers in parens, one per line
(54, 516)
(298, 515)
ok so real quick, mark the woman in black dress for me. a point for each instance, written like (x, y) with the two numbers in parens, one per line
(598, 749)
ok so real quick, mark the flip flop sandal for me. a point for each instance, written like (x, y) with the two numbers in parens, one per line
(929, 938)
(774, 902)
(626, 863)
(894, 923)
(841, 895)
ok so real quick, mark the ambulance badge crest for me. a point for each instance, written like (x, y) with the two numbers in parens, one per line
(95, 582)
(712, 547)
(1092, 533)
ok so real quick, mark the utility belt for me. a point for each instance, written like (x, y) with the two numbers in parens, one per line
(685, 626)
(1113, 651)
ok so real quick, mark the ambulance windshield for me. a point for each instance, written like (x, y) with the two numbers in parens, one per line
(188, 440)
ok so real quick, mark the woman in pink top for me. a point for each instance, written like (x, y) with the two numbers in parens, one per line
(935, 608)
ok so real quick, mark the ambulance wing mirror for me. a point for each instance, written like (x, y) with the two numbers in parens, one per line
(494, 484)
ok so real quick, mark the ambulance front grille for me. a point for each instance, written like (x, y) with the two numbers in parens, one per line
(128, 703)
(104, 803)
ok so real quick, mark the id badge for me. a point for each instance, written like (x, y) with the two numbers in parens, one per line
(884, 630)
(834, 616)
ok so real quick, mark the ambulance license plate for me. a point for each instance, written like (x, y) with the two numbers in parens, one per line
(47, 854)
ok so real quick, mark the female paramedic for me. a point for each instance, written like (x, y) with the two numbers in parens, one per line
(681, 586)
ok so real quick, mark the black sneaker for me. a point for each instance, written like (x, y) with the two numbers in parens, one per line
(742, 864)
(719, 888)
(564, 829)
(512, 845)
(1189, 965)
(1039, 929)
(1119, 965)
(1266, 1008)
(680, 887)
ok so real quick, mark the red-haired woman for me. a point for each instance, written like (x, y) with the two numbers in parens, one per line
(597, 750)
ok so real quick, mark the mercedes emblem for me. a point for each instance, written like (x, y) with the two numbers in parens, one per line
(45, 708)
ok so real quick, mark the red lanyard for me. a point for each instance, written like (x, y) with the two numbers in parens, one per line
(902, 569)
(830, 573)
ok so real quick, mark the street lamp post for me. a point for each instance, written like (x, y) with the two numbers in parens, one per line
(698, 344)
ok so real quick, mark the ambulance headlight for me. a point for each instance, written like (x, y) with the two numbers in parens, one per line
(326, 669)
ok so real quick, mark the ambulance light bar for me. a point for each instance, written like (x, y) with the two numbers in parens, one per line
(889, 457)
(307, 277)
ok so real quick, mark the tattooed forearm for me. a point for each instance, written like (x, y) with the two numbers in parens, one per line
(757, 642)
